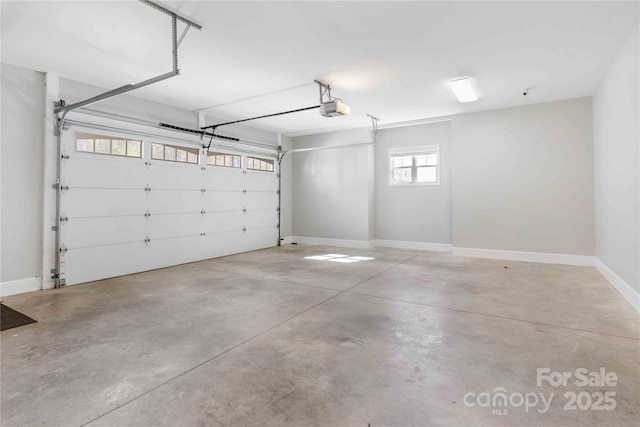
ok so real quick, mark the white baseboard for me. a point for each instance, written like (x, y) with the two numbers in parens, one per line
(582, 260)
(20, 286)
(342, 243)
(421, 246)
(630, 294)
(366, 244)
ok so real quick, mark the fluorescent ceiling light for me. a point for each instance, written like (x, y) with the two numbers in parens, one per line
(463, 90)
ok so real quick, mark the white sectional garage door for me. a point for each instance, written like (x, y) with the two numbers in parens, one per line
(124, 215)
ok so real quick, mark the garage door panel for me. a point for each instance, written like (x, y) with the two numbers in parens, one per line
(81, 202)
(260, 238)
(222, 243)
(104, 172)
(261, 200)
(172, 175)
(96, 263)
(261, 181)
(163, 252)
(85, 232)
(223, 221)
(223, 201)
(161, 226)
(261, 218)
(164, 202)
(222, 178)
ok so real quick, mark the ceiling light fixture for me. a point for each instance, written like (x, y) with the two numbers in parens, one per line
(463, 90)
(332, 107)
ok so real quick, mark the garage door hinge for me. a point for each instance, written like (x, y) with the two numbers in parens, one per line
(64, 156)
(147, 240)
(244, 210)
(147, 164)
(202, 234)
(244, 191)
(277, 191)
(54, 228)
(64, 218)
(203, 168)
(202, 212)
(147, 214)
(63, 188)
(147, 189)
(244, 229)
(63, 250)
(203, 190)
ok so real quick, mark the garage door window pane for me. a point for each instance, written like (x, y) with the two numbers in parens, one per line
(134, 149)
(169, 153)
(118, 147)
(157, 151)
(85, 145)
(181, 155)
(103, 146)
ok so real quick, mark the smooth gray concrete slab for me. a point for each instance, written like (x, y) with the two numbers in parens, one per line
(270, 338)
(99, 345)
(560, 295)
(357, 360)
(290, 265)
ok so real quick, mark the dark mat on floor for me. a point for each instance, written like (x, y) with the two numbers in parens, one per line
(10, 318)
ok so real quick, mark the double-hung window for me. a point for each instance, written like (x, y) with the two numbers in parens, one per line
(414, 165)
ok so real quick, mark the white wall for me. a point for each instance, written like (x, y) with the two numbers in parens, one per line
(523, 179)
(616, 164)
(518, 179)
(419, 213)
(332, 188)
(22, 159)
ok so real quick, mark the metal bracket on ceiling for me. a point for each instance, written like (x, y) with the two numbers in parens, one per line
(374, 124)
(325, 90)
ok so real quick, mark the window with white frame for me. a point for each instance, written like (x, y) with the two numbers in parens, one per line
(414, 165)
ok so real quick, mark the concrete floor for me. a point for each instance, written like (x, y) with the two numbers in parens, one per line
(271, 338)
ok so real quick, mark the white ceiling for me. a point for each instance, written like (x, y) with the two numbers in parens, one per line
(390, 59)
